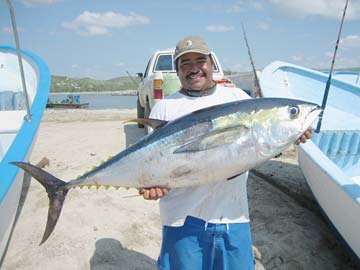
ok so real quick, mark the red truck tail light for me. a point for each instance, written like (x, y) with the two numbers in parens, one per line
(226, 82)
(158, 89)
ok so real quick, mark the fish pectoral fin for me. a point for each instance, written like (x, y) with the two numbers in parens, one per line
(215, 139)
(153, 123)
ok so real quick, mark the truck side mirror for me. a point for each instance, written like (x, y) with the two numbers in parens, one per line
(140, 75)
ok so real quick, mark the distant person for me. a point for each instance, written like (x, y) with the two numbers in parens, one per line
(204, 227)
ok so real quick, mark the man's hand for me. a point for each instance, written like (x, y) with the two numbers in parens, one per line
(153, 193)
(306, 135)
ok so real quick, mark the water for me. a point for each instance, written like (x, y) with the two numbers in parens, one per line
(101, 101)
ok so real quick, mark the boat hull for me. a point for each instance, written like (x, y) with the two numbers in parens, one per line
(8, 210)
(340, 208)
(17, 134)
(67, 106)
(330, 160)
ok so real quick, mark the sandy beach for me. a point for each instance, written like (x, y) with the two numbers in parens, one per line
(116, 229)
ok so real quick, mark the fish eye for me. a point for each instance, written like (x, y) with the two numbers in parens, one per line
(294, 111)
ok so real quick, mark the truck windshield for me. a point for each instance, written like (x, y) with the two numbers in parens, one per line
(164, 63)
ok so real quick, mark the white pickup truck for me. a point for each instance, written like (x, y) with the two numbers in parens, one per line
(160, 80)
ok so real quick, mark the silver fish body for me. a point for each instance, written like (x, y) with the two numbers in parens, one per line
(209, 145)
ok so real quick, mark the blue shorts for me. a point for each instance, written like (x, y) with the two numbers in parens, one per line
(206, 246)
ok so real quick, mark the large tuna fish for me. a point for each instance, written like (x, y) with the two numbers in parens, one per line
(212, 144)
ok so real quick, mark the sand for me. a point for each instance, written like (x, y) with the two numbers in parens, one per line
(116, 229)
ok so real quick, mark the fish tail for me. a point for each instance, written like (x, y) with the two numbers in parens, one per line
(56, 190)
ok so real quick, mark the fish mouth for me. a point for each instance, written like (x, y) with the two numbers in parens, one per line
(312, 115)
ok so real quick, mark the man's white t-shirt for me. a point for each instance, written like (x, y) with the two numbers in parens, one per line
(221, 202)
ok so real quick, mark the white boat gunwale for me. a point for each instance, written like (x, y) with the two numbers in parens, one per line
(22, 141)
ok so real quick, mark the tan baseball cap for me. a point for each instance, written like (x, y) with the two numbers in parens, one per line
(191, 44)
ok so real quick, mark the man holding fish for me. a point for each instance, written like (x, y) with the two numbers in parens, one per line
(204, 227)
(214, 136)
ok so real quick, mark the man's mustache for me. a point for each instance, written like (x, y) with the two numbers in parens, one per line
(194, 73)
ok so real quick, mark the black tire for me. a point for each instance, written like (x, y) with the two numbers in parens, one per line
(146, 114)
(140, 112)
(147, 109)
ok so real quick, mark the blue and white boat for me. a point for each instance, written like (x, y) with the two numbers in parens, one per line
(20, 114)
(330, 160)
(347, 76)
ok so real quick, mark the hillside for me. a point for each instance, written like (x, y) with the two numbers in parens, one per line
(66, 84)
(61, 84)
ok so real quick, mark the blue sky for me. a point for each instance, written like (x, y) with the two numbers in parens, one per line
(103, 39)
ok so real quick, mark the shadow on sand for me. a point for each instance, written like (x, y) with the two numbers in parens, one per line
(23, 195)
(289, 179)
(133, 134)
(289, 226)
(110, 254)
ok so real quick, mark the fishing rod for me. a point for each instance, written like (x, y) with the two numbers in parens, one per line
(257, 84)
(328, 83)
(131, 77)
(18, 51)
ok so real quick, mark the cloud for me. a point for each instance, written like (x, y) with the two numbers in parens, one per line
(347, 52)
(257, 5)
(344, 61)
(219, 28)
(235, 9)
(9, 30)
(351, 41)
(243, 5)
(90, 23)
(238, 67)
(263, 26)
(329, 54)
(39, 2)
(297, 58)
(324, 8)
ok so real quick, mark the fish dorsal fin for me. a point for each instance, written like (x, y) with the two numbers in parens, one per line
(217, 138)
(153, 123)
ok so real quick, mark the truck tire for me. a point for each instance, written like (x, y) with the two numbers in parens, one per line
(140, 112)
(146, 115)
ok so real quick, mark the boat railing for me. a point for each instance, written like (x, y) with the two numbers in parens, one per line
(341, 146)
(13, 21)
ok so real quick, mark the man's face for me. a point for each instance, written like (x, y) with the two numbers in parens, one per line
(195, 71)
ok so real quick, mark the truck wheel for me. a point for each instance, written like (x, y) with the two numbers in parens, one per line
(140, 112)
(146, 115)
